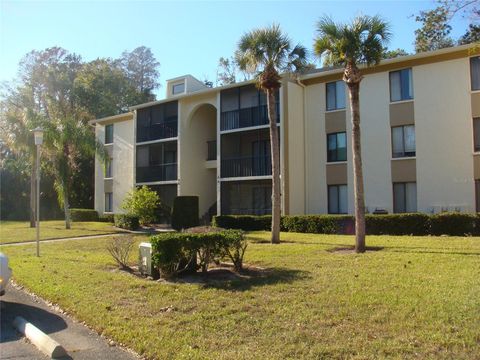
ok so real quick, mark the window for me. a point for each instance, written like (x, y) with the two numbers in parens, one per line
(108, 168)
(178, 88)
(337, 199)
(109, 134)
(335, 95)
(475, 72)
(403, 141)
(108, 202)
(476, 134)
(337, 147)
(157, 122)
(401, 85)
(477, 194)
(404, 197)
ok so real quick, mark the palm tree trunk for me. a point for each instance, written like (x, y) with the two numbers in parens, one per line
(66, 206)
(354, 91)
(33, 194)
(275, 154)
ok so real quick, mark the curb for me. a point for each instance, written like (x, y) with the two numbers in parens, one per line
(38, 338)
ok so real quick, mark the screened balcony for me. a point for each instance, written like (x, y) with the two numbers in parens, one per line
(246, 197)
(246, 154)
(157, 122)
(244, 106)
(157, 162)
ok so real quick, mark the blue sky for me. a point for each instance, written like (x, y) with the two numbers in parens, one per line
(185, 37)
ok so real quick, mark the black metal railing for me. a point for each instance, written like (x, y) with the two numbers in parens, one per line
(165, 130)
(253, 116)
(164, 172)
(246, 166)
(212, 150)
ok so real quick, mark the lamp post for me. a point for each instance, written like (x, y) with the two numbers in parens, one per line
(38, 135)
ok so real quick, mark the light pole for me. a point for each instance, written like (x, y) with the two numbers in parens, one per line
(38, 135)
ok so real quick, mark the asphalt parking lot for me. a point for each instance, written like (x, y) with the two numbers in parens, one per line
(80, 342)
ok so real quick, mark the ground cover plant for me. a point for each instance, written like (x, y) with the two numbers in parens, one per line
(20, 231)
(308, 297)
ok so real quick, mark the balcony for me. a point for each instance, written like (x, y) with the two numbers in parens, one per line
(165, 130)
(246, 197)
(164, 172)
(211, 150)
(247, 117)
(245, 166)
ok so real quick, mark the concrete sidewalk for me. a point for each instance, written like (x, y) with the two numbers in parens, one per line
(80, 342)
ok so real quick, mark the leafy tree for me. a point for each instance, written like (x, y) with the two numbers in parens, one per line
(266, 52)
(471, 36)
(434, 32)
(348, 45)
(226, 71)
(142, 202)
(141, 69)
(390, 54)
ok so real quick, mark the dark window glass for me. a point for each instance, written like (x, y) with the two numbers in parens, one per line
(404, 197)
(337, 199)
(403, 141)
(477, 194)
(401, 85)
(108, 202)
(475, 72)
(157, 162)
(335, 95)
(109, 134)
(108, 168)
(337, 147)
(476, 134)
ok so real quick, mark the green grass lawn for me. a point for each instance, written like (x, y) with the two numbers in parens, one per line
(416, 297)
(19, 231)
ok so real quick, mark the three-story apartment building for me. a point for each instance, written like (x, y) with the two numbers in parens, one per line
(420, 120)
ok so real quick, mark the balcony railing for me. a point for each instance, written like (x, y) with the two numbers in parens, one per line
(246, 166)
(245, 211)
(211, 150)
(164, 172)
(253, 116)
(165, 130)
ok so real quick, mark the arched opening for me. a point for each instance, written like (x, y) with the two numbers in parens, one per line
(199, 158)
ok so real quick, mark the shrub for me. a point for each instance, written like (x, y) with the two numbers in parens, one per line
(120, 247)
(457, 224)
(398, 224)
(243, 222)
(126, 221)
(106, 218)
(173, 253)
(83, 215)
(185, 212)
(143, 203)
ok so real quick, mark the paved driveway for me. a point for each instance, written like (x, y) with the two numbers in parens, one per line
(80, 342)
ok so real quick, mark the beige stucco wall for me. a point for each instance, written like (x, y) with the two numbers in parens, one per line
(376, 147)
(123, 165)
(443, 124)
(315, 150)
(198, 118)
(296, 150)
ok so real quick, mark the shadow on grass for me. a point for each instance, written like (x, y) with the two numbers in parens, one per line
(226, 279)
(350, 249)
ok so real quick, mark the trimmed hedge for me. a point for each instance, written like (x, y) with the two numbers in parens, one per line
(79, 215)
(106, 218)
(174, 253)
(455, 224)
(185, 212)
(126, 221)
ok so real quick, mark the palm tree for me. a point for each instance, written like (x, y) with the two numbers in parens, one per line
(266, 52)
(349, 45)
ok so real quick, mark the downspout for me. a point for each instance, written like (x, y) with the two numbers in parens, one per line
(303, 86)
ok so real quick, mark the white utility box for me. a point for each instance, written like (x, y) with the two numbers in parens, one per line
(145, 259)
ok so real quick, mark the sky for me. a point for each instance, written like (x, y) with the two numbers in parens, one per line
(186, 37)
